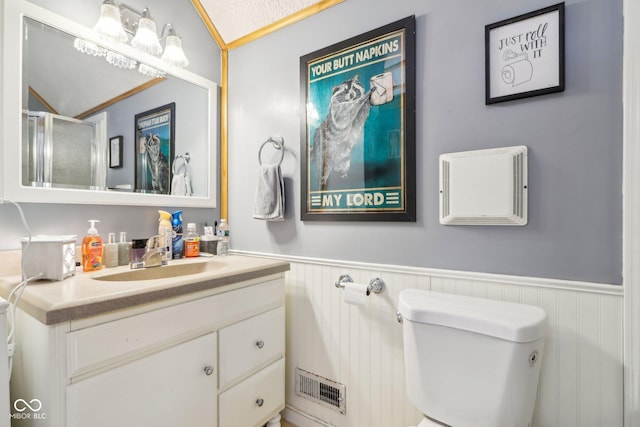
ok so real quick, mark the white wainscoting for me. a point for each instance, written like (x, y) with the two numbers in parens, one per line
(581, 382)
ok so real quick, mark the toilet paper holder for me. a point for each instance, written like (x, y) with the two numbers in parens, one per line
(376, 285)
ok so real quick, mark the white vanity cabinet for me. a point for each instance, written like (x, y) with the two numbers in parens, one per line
(172, 387)
(212, 358)
(251, 368)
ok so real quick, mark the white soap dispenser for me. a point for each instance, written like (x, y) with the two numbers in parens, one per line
(124, 249)
(111, 251)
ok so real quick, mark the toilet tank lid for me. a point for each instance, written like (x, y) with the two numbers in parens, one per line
(501, 319)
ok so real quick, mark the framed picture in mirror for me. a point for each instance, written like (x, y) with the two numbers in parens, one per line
(115, 152)
(154, 149)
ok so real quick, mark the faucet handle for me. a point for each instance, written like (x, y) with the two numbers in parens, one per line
(154, 242)
(154, 257)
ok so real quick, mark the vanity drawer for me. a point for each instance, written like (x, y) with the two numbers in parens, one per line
(249, 345)
(132, 337)
(253, 401)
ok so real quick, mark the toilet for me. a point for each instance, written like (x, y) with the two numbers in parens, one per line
(471, 362)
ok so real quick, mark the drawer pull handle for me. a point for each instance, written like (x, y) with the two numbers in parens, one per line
(260, 344)
(208, 369)
(260, 402)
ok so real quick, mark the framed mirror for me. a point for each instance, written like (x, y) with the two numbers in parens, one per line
(64, 108)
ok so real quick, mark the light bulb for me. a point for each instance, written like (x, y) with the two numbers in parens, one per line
(173, 52)
(146, 38)
(109, 25)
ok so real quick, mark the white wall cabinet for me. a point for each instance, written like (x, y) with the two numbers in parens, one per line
(211, 359)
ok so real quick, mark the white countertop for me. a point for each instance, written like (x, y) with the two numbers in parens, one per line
(82, 295)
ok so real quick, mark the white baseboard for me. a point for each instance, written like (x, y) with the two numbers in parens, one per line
(300, 419)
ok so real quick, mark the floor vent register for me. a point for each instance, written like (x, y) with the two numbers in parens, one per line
(321, 390)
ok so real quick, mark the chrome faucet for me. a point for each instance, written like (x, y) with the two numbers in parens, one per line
(154, 255)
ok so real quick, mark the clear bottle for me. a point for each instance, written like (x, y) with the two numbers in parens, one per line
(124, 249)
(191, 241)
(223, 243)
(111, 251)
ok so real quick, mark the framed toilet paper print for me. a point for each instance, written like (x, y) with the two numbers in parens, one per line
(358, 128)
(524, 55)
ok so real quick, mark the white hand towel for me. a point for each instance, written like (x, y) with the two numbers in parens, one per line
(269, 201)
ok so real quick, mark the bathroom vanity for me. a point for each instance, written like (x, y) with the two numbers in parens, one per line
(200, 343)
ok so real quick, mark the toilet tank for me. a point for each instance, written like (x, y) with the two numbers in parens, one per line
(471, 361)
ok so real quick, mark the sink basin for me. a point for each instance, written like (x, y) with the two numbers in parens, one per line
(155, 273)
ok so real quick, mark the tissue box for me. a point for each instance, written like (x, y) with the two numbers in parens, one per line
(54, 256)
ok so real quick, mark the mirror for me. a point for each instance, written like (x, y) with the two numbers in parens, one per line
(91, 132)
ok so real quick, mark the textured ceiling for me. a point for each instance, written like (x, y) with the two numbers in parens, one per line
(235, 19)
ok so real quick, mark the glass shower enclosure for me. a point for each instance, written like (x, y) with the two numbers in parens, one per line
(63, 152)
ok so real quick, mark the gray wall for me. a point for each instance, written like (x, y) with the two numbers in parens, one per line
(574, 139)
(204, 57)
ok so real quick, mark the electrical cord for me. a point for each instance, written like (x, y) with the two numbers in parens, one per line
(11, 316)
(18, 290)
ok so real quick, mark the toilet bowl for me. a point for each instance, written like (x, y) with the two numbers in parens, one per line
(471, 362)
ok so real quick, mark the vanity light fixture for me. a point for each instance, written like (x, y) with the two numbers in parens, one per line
(148, 71)
(120, 61)
(146, 38)
(89, 48)
(173, 53)
(109, 25)
(114, 25)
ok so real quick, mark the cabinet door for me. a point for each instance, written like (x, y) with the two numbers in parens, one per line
(174, 387)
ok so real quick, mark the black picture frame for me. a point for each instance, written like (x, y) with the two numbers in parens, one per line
(365, 84)
(115, 152)
(524, 55)
(154, 149)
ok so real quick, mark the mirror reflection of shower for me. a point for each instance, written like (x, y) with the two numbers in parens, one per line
(58, 79)
(63, 152)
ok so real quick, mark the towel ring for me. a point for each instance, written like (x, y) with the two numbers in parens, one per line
(180, 163)
(278, 144)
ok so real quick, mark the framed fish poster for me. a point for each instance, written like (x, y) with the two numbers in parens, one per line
(358, 128)
(154, 149)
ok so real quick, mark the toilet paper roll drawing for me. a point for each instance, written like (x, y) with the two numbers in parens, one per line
(381, 88)
(518, 69)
